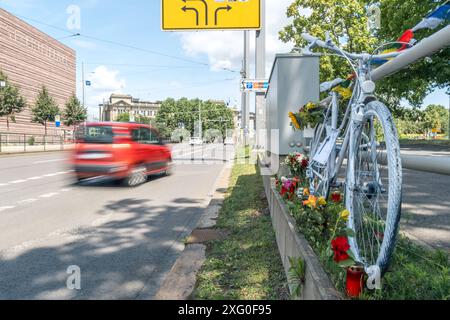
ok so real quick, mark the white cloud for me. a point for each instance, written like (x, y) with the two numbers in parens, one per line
(104, 82)
(224, 49)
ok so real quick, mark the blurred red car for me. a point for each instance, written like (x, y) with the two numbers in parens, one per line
(124, 151)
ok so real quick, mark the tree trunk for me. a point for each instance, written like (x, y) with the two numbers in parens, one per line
(45, 125)
(7, 123)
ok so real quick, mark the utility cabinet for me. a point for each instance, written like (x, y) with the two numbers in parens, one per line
(294, 81)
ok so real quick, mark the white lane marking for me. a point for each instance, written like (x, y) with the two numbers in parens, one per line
(6, 208)
(66, 190)
(34, 178)
(48, 161)
(27, 201)
(18, 181)
(49, 195)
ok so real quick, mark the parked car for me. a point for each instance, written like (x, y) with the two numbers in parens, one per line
(196, 142)
(124, 151)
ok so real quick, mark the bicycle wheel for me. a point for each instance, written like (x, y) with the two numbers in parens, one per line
(319, 174)
(374, 188)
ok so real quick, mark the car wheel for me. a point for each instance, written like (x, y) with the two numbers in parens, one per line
(138, 176)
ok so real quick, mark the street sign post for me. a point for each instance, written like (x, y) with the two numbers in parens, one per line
(188, 15)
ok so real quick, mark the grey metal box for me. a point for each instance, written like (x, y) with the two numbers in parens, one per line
(294, 81)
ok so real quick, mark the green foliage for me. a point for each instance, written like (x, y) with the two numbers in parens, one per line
(11, 102)
(415, 82)
(346, 21)
(215, 116)
(45, 108)
(74, 113)
(296, 276)
(436, 117)
(31, 141)
(126, 117)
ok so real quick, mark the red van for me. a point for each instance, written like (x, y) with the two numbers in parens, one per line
(125, 151)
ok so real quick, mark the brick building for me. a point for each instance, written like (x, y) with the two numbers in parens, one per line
(31, 59)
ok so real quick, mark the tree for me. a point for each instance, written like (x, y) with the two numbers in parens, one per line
(11, 102)
(45, 108)
(175, 114)
(126, 117)
(436, 117)
(74, 113)
(415, 82)
(346, 21)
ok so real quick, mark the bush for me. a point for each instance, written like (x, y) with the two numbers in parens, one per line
(31, 141)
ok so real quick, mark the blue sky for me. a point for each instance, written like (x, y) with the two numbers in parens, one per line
(200, 56)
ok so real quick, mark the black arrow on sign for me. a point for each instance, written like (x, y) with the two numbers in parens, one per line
(192, 9)
(206, 9)
(228, 8)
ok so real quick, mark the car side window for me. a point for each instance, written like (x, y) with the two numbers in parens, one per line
(136, 135)
(147, 136)
(155, 138)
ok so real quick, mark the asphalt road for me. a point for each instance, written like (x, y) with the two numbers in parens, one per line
(124, 240)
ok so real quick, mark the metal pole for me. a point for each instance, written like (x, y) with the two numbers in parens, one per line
(245, 95)
(260, 61)
(83, 84)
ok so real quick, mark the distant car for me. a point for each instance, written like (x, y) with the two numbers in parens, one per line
(229, 141)
(124, 151)
(196, 142)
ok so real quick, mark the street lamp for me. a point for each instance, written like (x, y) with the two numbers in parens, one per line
(2, 84)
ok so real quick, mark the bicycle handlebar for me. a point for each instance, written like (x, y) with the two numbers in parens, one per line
(353, 56)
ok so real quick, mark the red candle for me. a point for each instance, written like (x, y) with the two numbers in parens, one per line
(355, 281)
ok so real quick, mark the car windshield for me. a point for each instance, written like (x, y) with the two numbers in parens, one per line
(96, 134)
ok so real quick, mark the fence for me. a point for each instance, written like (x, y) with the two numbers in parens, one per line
(16, 143)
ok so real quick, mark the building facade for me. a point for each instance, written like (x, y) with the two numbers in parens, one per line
(125, 104)
(31, 59)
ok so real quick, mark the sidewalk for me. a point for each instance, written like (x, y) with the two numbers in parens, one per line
(31, 149)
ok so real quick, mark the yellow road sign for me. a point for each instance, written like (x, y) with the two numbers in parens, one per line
(179, 15)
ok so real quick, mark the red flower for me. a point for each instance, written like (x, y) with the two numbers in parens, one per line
(336, 197)
(305, 163)
(340, 247)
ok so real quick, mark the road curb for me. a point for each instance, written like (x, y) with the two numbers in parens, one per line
(182, 278)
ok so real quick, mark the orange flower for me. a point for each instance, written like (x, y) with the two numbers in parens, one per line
(311, 202)
(306, 192)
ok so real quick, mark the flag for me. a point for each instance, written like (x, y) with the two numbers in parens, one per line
(434, 19)
(406, 38)
(344, 88)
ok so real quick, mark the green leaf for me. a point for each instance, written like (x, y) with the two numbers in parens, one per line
(347, 263)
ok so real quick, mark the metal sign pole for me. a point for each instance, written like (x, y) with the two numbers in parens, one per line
(245, 95)
(260, 61)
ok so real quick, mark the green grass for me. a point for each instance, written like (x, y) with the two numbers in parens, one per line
(425, 142)
(246, 265)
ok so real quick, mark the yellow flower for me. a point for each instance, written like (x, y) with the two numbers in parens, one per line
(322, 201)
(309, 106)
(294, 120)
(306, 192)
(345, 215)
